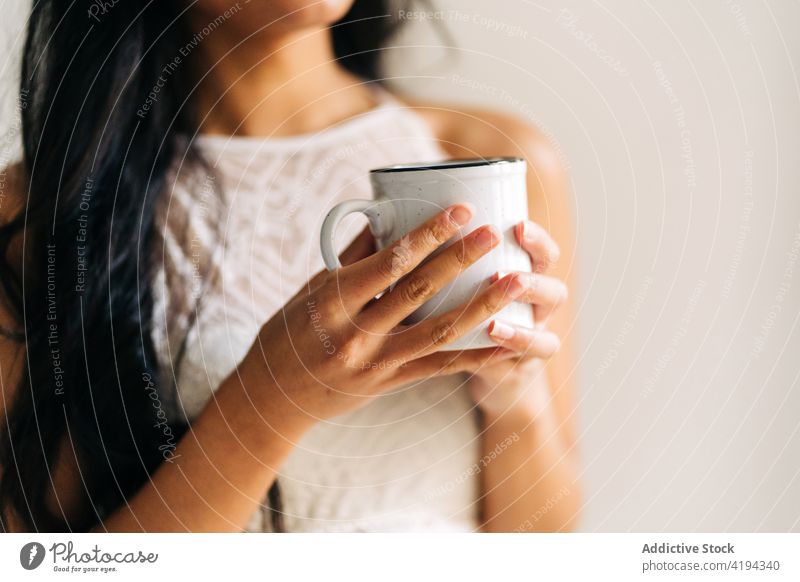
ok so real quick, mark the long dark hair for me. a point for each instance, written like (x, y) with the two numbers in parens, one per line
(93, 166)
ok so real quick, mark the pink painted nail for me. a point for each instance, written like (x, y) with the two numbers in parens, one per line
(515, 286)
(501, 330)
(527, 233)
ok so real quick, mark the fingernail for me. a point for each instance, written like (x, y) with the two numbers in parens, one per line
(501, 330)
(515, 286)
(528, 233)
(487, 237)
(497, 276)
(524, 231)
(461, 214)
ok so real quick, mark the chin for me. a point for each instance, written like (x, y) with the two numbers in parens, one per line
(273, 17)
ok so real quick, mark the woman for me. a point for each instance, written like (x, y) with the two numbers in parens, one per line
(160, 369)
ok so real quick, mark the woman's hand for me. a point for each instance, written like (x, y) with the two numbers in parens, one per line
(334, 347)
(518, 382)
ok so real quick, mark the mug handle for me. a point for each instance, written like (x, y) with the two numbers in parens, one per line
(378, 212)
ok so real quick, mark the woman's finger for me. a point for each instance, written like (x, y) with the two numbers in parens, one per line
(545, 293)
(363, 280)
(446, 363)
(419, 340)
(424, 282)
(538, 243)
(525, 341)
(361, 247)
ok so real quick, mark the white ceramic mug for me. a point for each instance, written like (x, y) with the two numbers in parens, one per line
(407, 195)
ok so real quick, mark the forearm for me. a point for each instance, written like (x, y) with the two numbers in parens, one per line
(220, 472)
(531, 483)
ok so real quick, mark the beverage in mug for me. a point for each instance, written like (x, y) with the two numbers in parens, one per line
(407, 195)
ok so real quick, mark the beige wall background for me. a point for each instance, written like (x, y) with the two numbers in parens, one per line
(680, 124)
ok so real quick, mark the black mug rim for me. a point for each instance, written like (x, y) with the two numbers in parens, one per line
(447, 165)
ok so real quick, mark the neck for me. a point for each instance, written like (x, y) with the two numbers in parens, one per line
(275, 87)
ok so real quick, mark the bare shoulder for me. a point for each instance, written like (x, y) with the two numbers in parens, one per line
(475, 132)
(479, 132)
